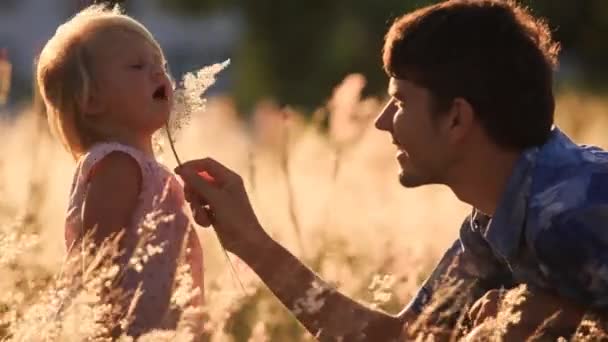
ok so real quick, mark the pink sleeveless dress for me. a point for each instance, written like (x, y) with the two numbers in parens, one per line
(161, 196)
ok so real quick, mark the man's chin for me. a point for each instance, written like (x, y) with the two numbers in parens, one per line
(411, 181)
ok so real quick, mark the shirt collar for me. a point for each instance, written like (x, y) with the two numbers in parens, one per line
(504, 229)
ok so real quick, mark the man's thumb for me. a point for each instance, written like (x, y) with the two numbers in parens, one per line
(199, 184)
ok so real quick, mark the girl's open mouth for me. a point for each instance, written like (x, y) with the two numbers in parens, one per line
(160, 93)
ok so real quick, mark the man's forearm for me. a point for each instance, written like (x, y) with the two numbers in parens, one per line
(324, 312)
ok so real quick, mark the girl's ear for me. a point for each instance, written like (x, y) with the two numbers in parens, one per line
(92, 104)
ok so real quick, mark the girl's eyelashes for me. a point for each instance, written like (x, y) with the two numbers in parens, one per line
(143, 62)
(137, 66)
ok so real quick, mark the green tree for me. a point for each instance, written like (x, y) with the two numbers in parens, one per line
(296, 51)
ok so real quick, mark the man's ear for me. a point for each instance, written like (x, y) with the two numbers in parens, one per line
(460, 119)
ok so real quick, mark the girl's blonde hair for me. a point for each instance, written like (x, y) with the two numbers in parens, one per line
(64, 72)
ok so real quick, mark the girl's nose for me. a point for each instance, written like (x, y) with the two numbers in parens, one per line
(158, 71)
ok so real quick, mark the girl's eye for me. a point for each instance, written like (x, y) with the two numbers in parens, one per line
(137, 66)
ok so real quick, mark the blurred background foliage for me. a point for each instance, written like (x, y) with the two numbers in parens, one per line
(297, 51)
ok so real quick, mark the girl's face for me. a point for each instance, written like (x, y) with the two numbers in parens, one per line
(131, 92)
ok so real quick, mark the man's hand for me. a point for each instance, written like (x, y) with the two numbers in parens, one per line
(217, 197)
(542, 316)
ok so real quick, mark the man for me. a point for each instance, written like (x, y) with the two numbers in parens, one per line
(471, 107)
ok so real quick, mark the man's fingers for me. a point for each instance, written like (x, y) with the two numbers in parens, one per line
(215, 169)
(197, 186)
(192, 197)
(202, 216)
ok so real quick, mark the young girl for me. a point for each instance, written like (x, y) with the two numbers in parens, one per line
(106, 89)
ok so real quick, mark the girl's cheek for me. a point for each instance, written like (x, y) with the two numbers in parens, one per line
(170, 93)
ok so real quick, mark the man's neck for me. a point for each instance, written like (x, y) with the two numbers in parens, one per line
(482, 181)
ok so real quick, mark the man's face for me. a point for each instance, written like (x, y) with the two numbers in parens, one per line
(422, 139)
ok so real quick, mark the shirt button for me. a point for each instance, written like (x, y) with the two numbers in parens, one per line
(476, 225)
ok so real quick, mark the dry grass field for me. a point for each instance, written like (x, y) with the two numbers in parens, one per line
(325, 185)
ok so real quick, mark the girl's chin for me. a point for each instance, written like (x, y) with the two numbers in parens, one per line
(157, 124)
(162, 117)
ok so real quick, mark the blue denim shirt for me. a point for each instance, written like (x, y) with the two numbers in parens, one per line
(550, 229)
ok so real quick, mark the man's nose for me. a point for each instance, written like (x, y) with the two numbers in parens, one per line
(384, 120)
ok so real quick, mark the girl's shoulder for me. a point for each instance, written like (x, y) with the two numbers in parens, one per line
(156, 178)
(150, 168)
(100, 150)
(88, 163)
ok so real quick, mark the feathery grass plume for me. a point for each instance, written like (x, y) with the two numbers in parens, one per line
(188, 99)
(313, 300)
(381, 289)
(443, 316)
(593, 327)
(68, 309)
(508, 315)
(13, 244)
(86, 300)
(259, 333)
(346, 121)
(348, 118)
(16, 284)
(508, 310)
(546, 329)
(291, 197)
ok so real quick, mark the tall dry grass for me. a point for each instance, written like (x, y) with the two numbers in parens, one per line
(330, 194)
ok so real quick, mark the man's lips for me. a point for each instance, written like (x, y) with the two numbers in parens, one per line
(401, 152)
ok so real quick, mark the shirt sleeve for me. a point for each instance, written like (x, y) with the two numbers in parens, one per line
(469, 261)
(573, 255)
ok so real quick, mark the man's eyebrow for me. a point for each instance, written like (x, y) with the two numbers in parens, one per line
(394, 93)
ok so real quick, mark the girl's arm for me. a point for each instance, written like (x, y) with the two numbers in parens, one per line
(114, 187)
(115, 183)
